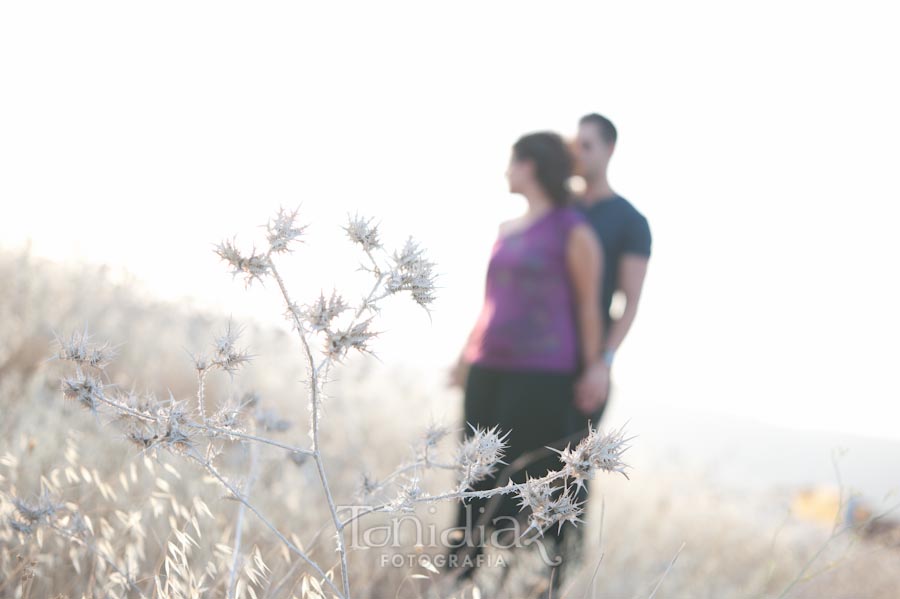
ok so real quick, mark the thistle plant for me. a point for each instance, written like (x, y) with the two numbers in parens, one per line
(33, 516)
(328, 329)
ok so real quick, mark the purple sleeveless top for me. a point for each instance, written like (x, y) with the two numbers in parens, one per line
(528, 318)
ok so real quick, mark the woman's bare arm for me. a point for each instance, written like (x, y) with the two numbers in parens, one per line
(584, 262)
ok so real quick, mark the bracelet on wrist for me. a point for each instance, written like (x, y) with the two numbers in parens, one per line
(608, 356)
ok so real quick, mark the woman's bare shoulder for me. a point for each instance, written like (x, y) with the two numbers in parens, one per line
(507, 226)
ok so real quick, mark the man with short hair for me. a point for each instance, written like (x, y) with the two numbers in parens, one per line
(625, 236)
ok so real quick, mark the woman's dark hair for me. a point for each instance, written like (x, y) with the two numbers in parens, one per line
(552, 162)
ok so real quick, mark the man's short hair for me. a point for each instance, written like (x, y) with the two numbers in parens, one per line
(604, 126)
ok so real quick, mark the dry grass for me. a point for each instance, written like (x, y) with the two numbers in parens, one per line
(171, 520)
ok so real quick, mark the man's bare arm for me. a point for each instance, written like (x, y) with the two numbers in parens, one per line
(632, 270)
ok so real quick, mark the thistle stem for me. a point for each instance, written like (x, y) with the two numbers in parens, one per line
(317, 454)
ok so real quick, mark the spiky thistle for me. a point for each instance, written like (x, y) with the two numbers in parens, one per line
(322, 312)
(226, 355)
(254, 267)
(86, 389)
(283, 230)
(78, 349)
(412, 272)
(341, 341)
(594, 452)
(362, 231)
(477, 456)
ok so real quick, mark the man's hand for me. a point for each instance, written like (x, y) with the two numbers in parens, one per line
(592, 388)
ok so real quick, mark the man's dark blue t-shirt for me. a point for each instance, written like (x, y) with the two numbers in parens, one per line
(622, 230)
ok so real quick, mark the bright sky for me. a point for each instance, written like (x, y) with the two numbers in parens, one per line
(761, 141)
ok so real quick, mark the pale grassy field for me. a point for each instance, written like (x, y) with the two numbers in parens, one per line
(727, 544)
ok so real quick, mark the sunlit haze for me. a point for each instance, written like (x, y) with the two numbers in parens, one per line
(765, 161)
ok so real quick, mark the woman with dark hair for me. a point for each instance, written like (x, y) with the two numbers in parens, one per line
(533, 359)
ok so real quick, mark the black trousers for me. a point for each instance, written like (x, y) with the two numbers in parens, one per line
(578, 427)
(537, 408)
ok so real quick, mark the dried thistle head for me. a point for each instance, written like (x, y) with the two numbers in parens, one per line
(162, 436)
(29, 515)
(19, 526)
(478, 456)
(231, 413)
(595, 452)
(253, 267)
(86, 389)
(201, 362)
(545, 510)
(363, 232)
(226, 355)
(534, 493)
(561, 510)
(139, 402)
(322, 312)
(434, 433)
(412, 272)
(410, 493)
(338, 343)
(282, 230)
(78, 349)
(169, 429)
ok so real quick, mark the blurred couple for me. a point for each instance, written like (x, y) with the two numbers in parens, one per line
(537, 361)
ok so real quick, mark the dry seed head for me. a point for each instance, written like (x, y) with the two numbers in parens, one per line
(434, 433)
(320, 314)
(85, 389)
(361, 231)
(595, 452)
(409, 494)
(78, 349)
(167, 431)
(478, 455)
(201, 362)
(144, 403)
(30, 515)
(534, 494)
(283, 230)
(226, 355)
(537, 496)
(563, 509)
(253, 267)
(338, 343)
(412, 272)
